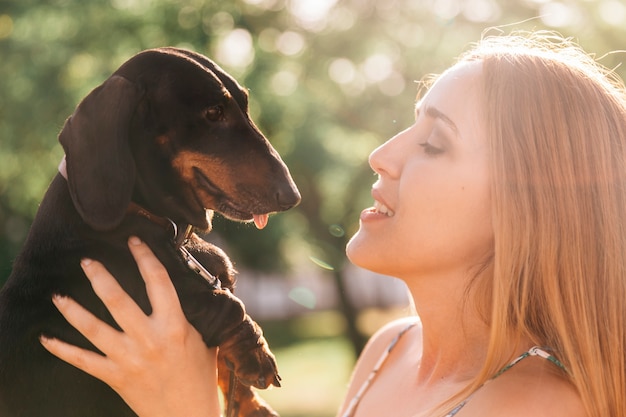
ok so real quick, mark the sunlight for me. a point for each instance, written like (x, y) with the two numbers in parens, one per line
(290, 43)
(236, 49)
(613, 12)
(303, 296)
(556, 14)
(341, 71)
(311, 14)
(482, 10)
(284, 82)
(377, 67)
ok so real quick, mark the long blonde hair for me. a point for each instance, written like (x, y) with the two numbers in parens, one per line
(556, 127)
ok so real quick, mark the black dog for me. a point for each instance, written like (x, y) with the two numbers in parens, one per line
(151, 152)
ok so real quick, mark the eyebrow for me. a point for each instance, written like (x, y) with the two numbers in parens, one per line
(438, 114)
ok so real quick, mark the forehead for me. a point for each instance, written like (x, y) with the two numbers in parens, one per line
(461, 81)
(457, 94)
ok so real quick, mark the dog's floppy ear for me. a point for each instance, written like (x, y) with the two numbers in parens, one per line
(100, 166)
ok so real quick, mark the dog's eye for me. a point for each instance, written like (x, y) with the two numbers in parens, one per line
(214, 113)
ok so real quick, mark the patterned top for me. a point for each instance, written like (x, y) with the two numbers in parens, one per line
(534, 351)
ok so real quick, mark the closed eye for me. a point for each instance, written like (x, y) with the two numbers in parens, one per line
(430, 149)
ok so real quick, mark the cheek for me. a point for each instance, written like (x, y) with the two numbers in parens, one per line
(443, 221)
(467, 223)
(448, 223)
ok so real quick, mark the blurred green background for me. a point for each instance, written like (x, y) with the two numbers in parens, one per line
(329, 81)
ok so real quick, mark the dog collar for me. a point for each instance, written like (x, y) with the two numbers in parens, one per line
(178, 240)
(181, 234)
(134, 208)
(193, 264)
(180, 237)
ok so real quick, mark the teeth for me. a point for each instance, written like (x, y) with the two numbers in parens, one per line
(382, 209)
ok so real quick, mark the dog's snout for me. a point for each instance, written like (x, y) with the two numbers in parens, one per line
(288, 196)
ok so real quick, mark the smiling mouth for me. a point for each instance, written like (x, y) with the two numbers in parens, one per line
(225, 206)
(382, 209)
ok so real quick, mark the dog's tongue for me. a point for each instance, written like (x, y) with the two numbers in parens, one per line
(260, 220)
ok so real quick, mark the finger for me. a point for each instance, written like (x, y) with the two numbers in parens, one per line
(95, 330)
(91, 362)
(125, 311)
(159, 287)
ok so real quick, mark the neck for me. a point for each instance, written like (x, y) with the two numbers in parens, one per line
(181, 232)
(455, 337)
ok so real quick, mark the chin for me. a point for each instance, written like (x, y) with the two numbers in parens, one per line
(357, 252)
(365, 252)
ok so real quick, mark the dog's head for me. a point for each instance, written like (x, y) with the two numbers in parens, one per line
(171, 131)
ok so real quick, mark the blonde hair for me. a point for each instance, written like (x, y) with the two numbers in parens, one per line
(556, 127)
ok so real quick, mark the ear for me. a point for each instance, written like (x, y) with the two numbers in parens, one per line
(100, 166)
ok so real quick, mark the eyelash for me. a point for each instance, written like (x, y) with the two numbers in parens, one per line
(430, 149)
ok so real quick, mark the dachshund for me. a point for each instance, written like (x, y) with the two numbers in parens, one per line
(153, 152)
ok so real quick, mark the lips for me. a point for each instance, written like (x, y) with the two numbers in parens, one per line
(208, 185)
(380, 206)
(383, 209)
(226, 206)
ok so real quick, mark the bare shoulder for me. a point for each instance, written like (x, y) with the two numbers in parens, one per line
(374, 350)
(534, 387)
(381, 340)
(386, 334)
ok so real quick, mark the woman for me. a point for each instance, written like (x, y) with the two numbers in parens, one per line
(503, 208)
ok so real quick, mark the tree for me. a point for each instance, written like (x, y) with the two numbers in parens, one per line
(329, 81)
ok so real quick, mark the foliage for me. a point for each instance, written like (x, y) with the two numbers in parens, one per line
(329, 80)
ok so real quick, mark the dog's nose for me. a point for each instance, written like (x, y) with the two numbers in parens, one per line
(288, 196)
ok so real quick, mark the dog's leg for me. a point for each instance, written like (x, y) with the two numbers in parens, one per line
(240, 399)
(213, 259)
(245, 359)
(242, 348)
(246, 352)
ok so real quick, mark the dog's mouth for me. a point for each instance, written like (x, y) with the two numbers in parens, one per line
(225, 205)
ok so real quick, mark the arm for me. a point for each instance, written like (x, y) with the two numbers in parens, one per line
(159, 364)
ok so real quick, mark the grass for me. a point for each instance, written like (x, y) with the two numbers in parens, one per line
(315, 360)
(314, 375)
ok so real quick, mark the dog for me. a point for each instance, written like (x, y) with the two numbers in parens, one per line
(153, 152)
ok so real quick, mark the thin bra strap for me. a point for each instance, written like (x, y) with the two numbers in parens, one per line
(357, 397)
(534, 351)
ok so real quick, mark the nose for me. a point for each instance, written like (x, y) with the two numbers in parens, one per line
(288, 195)
(383, 159)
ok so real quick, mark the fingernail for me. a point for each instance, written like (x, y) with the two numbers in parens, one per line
(43, 339)
(57, 299)
(134, 240)
(85, 262)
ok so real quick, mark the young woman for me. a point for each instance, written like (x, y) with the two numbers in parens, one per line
(503, 208)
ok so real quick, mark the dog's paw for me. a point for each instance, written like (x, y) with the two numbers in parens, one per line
(250, 358)
(257, 370)
(236, 384)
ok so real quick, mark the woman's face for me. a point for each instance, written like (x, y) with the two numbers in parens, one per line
(432, 212)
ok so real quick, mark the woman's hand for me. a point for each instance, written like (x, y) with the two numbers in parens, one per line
(158, 364)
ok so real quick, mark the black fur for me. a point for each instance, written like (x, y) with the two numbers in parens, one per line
(170, 131)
